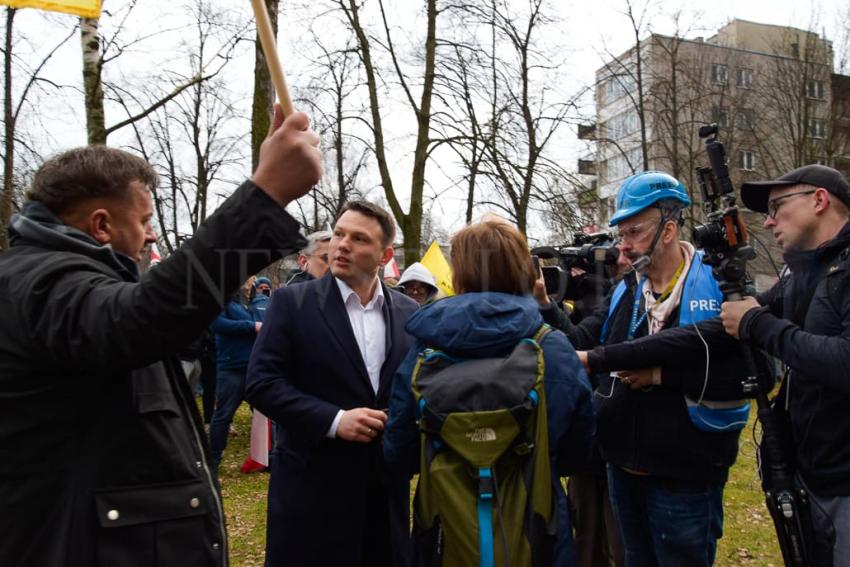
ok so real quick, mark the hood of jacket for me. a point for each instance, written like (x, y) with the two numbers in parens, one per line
(36, 225)
(476, 324)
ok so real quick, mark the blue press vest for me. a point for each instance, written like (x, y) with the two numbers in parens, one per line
(701, 300)
(701, 296)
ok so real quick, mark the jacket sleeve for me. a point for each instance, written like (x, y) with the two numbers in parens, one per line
(691, 358)
(224, 325)
(572, 425)
(401, 435)
(823, 358)
(87, 319)
(271, 385)
(587, 333)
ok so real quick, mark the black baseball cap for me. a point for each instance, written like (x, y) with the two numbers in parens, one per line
(755, 193)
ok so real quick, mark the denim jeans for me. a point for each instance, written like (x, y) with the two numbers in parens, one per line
(666, 522)
(229, 392)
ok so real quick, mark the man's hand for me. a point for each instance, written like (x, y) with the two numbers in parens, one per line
(582, 356)
(731, 313)
(290, 160)
(257, 327)
(361, 425)
(642, 378)
(539, 291)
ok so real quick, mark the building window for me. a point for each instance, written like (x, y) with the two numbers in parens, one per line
(745, 119)
(817, 128)
(745, 78)
(719, 74)
(748, 160)
(720, 116)
(620, 166)
(814, 89)
(616, 86)
(621, 125)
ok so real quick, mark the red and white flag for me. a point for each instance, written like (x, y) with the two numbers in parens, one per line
(155, 257)
(391, 270)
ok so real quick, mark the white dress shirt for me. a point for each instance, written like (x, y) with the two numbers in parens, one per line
(367, 322)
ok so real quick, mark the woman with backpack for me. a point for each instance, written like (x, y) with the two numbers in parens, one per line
(465, 408)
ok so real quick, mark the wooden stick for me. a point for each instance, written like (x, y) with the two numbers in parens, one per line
(267, 40)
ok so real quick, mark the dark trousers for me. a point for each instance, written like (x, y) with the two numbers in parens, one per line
(597, 536)
(377, 546)
(666, 522)
(230, 391)
(208, 380)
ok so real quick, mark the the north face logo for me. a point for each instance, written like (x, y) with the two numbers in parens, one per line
(481, 435)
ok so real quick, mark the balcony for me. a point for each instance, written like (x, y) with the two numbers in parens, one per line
(587, 131)
(587, 167)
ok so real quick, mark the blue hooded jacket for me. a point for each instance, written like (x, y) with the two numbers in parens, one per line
(489, 324)
(235, 332)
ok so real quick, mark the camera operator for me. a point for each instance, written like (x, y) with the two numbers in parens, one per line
(804, 321)
(595, 531)
(668, 449)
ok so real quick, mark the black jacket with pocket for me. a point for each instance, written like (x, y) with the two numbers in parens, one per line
(102, 452)
(805, 322)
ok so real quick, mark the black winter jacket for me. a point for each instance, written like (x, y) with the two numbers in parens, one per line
(102, 452)
(805, 322)
(650, 431)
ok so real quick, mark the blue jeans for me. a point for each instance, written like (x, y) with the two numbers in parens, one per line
(229, 392)
(666, 522)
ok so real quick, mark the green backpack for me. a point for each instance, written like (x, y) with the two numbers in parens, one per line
(485, 492)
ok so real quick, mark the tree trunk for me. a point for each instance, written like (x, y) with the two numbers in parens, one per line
(413, 225)
(9, 134)
(264, 97)
(92, 67)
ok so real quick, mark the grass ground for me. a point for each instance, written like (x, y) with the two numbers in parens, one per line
(748, 537)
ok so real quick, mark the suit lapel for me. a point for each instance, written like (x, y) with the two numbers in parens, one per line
(336, 317)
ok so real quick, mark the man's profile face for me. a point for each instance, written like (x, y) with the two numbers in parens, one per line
(791, 216)
(317, 262)
(131, 223)
(356, 250)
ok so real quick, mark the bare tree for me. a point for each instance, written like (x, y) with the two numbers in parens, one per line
(329, 95)
(97, 52)
(199, 136)
(410, 220)
(12, 137)
(264, 95)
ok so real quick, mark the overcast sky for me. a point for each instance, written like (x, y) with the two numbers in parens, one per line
(592, 28)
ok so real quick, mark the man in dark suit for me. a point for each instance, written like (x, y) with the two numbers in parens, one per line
(321, 369)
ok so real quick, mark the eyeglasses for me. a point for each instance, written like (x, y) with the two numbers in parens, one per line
(636, 232)
(774, 204)
(322, 257)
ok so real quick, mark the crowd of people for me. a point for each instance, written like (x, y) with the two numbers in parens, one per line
(491, 396)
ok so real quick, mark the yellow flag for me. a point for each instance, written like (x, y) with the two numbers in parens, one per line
(437, 265)
(82, 8)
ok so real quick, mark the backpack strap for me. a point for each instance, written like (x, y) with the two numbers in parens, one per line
(541, 333)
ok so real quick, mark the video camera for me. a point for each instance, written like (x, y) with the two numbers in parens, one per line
(723, 237)
(595, 254)
(724, 241)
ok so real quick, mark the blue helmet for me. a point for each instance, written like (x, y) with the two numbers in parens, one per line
(642, 190)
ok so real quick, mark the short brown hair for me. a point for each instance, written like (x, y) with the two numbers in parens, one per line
(76, 175)
(491, 256)
(379, 214)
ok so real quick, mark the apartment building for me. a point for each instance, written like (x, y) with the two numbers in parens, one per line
(770, 89)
